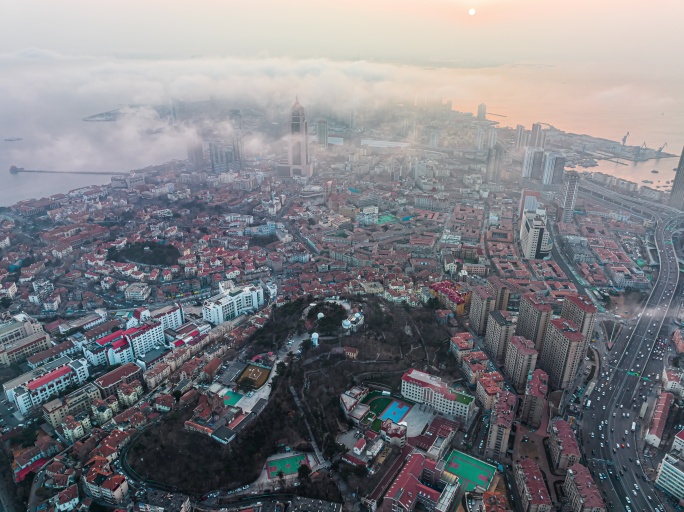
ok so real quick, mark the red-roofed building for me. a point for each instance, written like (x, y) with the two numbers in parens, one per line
(494, 502)
(535, 401)
(678, 340)
(562, 444)
(460, 345)
(486, 392)
(52, 353)
(359, 447)
(407, 491)
(393, 433)
(428, 389)
(437, 438)
(66, 500)
(16, 351)
(581, 490)
(450, 297)
(501, 422)
(678, 442)
(672, 381)
(659, 419)
(103, 484)
(211, 369)
(109, 382)
(112, 349)
(531, 487)
(45, 384)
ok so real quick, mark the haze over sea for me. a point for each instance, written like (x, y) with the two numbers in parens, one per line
(56, 138)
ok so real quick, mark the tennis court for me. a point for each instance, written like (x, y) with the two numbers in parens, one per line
(231, 398)
(385, 407)
(288, 465)
(470, 471)
(395, 412)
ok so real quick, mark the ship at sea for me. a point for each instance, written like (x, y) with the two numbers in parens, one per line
(13, 139)
(655, 171)
(647, 181)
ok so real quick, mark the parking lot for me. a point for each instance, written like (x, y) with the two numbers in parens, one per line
(9, 418)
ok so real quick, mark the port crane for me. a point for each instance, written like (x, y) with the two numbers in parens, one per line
(624, 139)
(659, 151)
(637, 151)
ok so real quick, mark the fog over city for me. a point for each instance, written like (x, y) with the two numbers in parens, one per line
(46, 94)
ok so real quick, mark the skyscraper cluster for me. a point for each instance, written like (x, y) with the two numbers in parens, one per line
(536, 339)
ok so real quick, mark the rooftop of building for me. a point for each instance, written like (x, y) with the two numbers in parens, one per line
(523, 345)
(565, 436)
(591, 496)
(582, 302)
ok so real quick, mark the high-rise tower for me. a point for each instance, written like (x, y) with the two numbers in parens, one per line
(480, 306)
(563, 351)
(582, 312)
(520, 136)
(322, 133)
(534, 236)
(566, 203)
(491, 137)
(494, 158)
(533, 163)
(535, 138)
(535, 313)
(299, 160)
(195, 155)
(554, 164)
(677, 194)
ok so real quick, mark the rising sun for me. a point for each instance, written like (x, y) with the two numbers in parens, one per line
(471, 12)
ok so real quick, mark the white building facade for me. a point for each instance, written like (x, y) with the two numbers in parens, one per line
(233, 303)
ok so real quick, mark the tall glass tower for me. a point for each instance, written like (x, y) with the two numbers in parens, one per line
(677, 194)
(298, 147)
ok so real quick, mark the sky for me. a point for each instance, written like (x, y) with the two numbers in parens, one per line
(632, 33)
(598, 67)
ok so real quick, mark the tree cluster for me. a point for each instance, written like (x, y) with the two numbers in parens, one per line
(146, 253)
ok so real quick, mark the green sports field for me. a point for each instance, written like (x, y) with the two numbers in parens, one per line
(379, 404)
(470, 471)
(231, 398)
(288, 465)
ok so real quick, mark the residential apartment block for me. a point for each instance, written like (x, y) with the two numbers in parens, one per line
(521, 359)
(428, 389)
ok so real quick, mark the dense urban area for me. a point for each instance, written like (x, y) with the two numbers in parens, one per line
(407, 308)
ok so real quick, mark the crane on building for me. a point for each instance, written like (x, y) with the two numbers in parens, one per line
(659, 151)
(624, 139)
